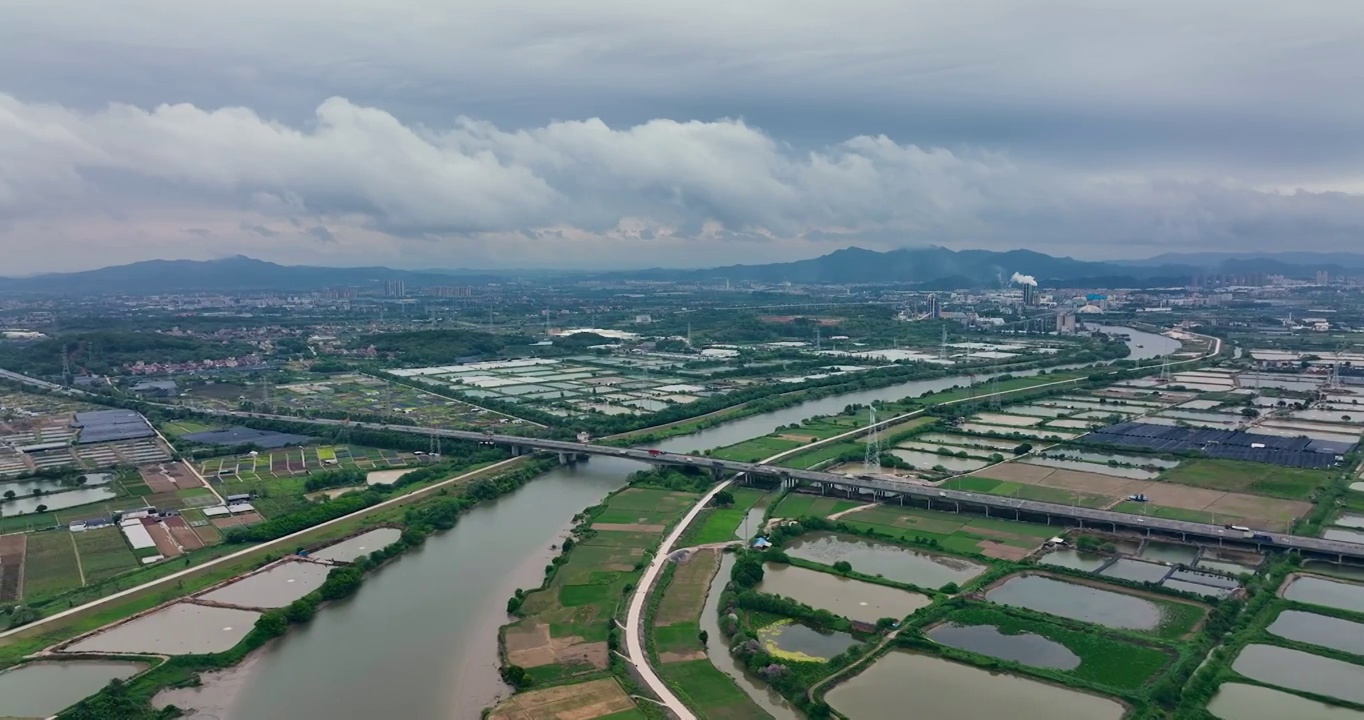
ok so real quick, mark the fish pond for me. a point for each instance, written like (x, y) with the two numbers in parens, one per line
(1087, 603)
(1327, 593)
(1136, 570)
(853, 599)
(1172, 553)
(1238, 701)
(926, 460)
(43, 689)
(1322, 630)
(893, 562)
(904, 684)
(791, 640)
(1023, 647)
(354, 548)
(272, 588)
(180, 629)
(1297, 670)
(1075, 559)
(1086, 653)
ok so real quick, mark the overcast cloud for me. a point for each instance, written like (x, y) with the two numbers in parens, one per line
(616, 134)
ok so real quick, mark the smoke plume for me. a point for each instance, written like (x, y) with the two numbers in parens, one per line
(1021, 279)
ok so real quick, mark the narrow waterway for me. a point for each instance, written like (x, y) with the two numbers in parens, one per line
(419, 639)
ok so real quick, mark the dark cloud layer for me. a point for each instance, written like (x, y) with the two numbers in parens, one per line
(487, 137)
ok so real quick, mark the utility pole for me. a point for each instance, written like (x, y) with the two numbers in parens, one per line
(871, 461)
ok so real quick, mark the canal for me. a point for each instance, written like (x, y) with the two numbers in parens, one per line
(419, 639)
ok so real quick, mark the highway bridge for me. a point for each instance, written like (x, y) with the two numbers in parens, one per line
(882, 488)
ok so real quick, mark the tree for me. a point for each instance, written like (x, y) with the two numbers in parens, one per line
(1023, 449)
(1250, 412)
(703, 636)
(843, 566)
(41, 509)
(724, 498)
(9, 495)
(950, 588)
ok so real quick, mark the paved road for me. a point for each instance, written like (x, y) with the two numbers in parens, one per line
(286, 543)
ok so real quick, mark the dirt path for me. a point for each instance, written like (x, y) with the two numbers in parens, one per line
(77, 551)
(849, 511)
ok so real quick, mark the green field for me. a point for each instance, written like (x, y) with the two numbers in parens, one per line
(1249, 477)
(50, 564)
(824, 453)
(796, 505)
(972, 483)
(104, 553)
(722, 524)
(711, 693)
(577, 607)
(755, 450)
(954, 532)
(1105, 660)
(185, 427)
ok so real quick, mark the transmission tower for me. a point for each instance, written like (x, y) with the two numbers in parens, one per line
(1165, 369)
(435, 442)
(942, 349)
(994, 392)
(66, 365)
(871, 462)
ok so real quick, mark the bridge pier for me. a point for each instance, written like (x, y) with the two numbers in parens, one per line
(717, 474)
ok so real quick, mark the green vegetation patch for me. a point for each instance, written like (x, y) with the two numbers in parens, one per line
(104, 553)
(756, 450)
(797, 505)
(50, 564)
(1103, 659)
(1249, 477)
(711, 693)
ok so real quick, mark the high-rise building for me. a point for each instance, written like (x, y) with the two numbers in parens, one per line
(1323, 277)
(1065, 323)
(1029, 294)
(934, 309)
(395, 288)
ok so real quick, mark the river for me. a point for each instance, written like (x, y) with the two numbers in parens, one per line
(419, 638)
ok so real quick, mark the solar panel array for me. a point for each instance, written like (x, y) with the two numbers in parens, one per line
(247, 436)
(1299, 452)
(108, 425)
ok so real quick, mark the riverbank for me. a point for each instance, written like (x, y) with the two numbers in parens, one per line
(417, 521)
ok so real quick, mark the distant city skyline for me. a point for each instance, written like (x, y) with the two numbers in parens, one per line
(615, 135)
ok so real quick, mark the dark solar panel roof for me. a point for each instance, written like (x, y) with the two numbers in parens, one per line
(1299, 452)
(244, 436)
(109, 425)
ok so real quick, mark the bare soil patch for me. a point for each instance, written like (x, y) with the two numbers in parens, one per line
(583, 701)
(1081, 481)
(797, 438)
(629, 527)
(1180, 496)
(677, 657)
(992, 549)
(183, 533)
(533, 647)
(236, 520)
(161, 536)
(1262, 508)
(159, 482)
(12, 566)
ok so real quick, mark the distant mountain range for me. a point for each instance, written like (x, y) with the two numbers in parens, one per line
(229, 274)
(934, 268)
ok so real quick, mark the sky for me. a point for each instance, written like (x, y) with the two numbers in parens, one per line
(614, 134)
